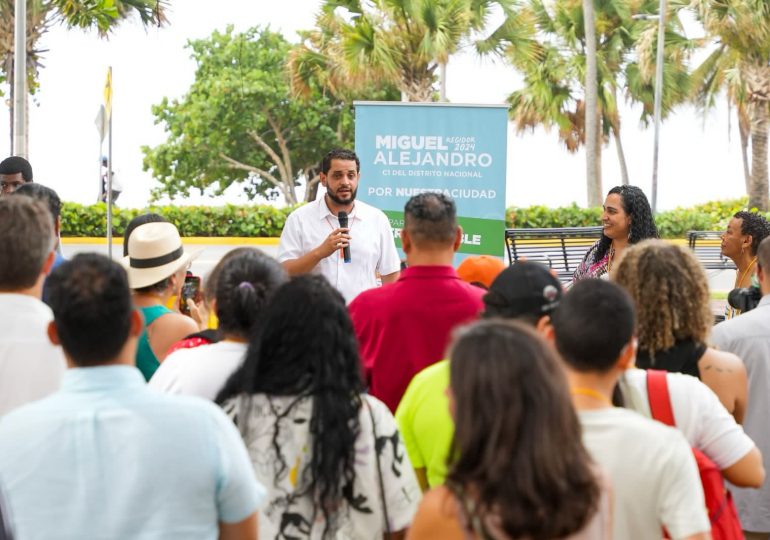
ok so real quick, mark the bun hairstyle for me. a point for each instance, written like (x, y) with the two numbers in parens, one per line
(242, 287)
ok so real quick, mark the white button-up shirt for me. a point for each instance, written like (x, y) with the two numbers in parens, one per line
(748, 337)
(372, 248)
(31, 367)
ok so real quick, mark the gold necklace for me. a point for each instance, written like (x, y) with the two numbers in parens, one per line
(590, 392)
(743, 276)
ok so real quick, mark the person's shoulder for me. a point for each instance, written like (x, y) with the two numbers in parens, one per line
(628, 422)
(440, 501)
(722, 361)
(305, 209)
(376, 406)
(475, 292)
(376, 295)
(435, 372)
(427, 384)
(175, 322)
(437, 516)
(190, 406)
(12, 304)
(32, 409)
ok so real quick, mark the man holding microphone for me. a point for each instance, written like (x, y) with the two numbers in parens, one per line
(347, 241)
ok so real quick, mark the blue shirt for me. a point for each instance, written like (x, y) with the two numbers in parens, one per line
(106, 457)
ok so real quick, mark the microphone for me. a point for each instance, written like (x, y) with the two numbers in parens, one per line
(343, 218)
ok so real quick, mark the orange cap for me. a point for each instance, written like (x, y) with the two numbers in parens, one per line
(482, 269)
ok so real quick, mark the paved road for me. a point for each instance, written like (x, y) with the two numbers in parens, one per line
(719, 280)
(208, 258)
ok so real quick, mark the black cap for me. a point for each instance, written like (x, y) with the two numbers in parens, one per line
(525, 288)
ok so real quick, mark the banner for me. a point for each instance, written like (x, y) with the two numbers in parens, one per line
(459, 150)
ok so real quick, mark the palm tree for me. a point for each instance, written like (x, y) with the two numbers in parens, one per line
(43, 14)
(740, 65)
(398, 42)
(546, 42)
(593, 178)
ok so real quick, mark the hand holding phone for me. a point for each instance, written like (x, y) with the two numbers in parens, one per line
(191, 290)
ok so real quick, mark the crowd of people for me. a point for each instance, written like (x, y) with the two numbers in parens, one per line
(343, 393)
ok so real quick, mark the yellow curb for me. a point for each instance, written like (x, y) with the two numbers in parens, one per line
(215, 241)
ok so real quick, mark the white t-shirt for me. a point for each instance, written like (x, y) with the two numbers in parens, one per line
(698, 414)
(201, 371)
(372, 248)
(31, 367)
(361, 515)
(653, 473)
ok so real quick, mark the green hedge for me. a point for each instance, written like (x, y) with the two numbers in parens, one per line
(247, 221)
(675, 223)
(266, 221)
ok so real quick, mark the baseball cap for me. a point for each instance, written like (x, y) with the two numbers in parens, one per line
(481, 269)
(525, 288)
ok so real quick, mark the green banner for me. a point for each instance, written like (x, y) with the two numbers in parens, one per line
(480, 236)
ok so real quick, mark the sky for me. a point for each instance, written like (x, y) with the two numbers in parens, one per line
(699, 156)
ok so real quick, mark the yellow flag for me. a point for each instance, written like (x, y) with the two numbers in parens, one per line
(108, 94)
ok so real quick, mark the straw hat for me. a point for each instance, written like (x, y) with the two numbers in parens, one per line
(155, 252)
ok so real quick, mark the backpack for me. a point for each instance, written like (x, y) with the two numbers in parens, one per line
(725, 524)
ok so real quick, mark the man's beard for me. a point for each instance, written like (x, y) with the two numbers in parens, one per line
(342, 202)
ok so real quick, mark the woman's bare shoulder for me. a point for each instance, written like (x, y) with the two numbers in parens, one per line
(721, 362)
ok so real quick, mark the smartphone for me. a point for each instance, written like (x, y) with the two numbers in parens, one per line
(190, 289)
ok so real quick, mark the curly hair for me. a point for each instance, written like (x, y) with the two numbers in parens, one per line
(635, 204)
(671, 293)
(306, 348)
(517, 447)
(756, 226)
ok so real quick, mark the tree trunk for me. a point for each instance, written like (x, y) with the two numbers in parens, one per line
(9, 76)
(758, 193)
(442, 82)
(744, 128)
(593, 180)
(615, 127)
(621, 155)
(312, 179)
(598, 189)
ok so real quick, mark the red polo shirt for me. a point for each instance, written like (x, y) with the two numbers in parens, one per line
(406, 326)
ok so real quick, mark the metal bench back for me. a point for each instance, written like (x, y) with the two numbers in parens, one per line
(706, 245)
(561, 249)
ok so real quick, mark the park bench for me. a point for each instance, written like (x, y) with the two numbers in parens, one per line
(561, 249)
(706, 245)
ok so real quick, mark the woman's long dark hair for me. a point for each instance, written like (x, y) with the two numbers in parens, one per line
(635, 204)
(517, 448)
(306, 348)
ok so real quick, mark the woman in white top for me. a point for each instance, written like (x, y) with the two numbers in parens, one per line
(519, 469)
(242, 286)
(330, 456)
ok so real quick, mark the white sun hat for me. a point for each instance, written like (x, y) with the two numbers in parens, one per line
(155, 252)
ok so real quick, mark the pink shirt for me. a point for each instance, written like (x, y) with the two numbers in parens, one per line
(406, 326)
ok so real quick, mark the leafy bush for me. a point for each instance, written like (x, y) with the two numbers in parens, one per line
(711, 216)
(244, 221)
(255, 221)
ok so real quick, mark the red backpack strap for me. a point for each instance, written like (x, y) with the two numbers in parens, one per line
(657, 394)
